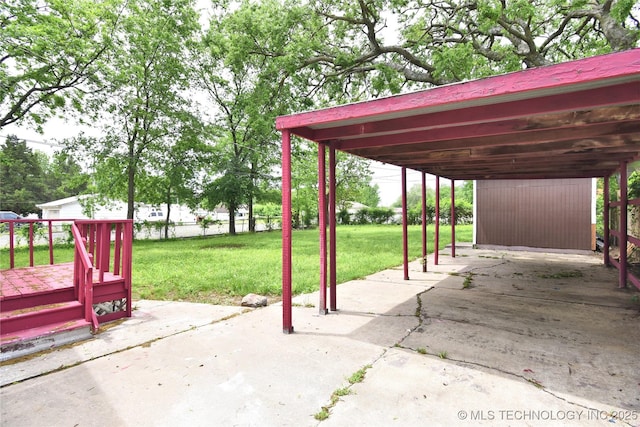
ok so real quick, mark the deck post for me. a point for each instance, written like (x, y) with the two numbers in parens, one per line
(322, 224)
(332, 230)
(453, 220)
(50, 233)
(127, 259)
(11, 245)
(622, 282)
(436, 246)
(287, 325)
(424, 222)
(405, 246)
(606, 221)
(31, 244)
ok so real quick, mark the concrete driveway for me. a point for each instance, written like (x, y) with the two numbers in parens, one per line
(490, 337)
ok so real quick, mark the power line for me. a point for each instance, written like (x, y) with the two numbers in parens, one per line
(33, 141)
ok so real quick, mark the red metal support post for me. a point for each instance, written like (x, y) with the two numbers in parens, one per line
(624, 205)
(606, 220)
(322, 224)
(50, 225)
(436, 246)
(332, 230)
(405, 246)
(287, 325)
(453, 220)
(424, 222)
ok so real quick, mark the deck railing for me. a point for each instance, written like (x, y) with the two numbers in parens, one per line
(102, 246)
(39, 231)
(83, 276)
(99, 235)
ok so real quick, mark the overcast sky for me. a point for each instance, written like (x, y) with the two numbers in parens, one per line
(388, 177)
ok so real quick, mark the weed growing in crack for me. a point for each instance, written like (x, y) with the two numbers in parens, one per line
(422, 350)
(561, 275)
(325, 411)
(467, 281)
(358, 376)
(335, 397)
(322, 415)
(443, 355)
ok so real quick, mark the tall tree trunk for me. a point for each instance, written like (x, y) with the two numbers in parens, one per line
(252, 221)
(166, 221)
(131, 190)
(232, 218)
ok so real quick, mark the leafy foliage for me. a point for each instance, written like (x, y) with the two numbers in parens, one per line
(463, 208)
(29, 178)
(145, 109)
(51, 54)
(375, 47)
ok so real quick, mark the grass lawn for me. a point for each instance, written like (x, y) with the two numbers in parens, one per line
(222, 269)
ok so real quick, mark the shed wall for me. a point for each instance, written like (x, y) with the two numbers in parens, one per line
(552, 213)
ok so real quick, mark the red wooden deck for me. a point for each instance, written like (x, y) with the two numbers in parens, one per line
(42, 282)
(40, 301)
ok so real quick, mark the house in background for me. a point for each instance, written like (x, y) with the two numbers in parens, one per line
(80, 207)
(536, 213)
(77, 207)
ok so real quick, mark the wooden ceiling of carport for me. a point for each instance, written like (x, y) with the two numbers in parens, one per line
(569, 120)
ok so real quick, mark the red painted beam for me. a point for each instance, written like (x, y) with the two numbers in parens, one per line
(605, 219)
(322, 225)
(332, 231)
(436, 246)
(424, 222)
(583, 100)
(287, 325)
(453, 220)
(516, 130)
(405, 246)
(622, 282)
(528, 83)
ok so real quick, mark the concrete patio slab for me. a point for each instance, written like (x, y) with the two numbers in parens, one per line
(491, 337)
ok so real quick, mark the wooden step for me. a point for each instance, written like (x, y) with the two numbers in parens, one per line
(21, 302)
(109, 291)
(43, 315)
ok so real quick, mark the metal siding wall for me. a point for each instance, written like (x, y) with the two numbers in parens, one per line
(535, 213)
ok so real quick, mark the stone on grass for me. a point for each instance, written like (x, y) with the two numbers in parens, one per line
(253, 300)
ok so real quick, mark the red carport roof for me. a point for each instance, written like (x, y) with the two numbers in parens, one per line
(569, 120)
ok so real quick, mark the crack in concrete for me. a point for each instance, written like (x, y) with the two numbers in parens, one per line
(384, 351)
(423, 351)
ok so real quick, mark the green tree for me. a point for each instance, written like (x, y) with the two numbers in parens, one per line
(440, 42)
(64, 177)
(353, 181)
(414, 197)
(23, 185)
(249, 90)
(145, 108)
(50, 52)
(174, 176)
(464, 192)
(370, 196)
